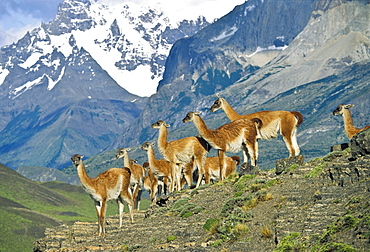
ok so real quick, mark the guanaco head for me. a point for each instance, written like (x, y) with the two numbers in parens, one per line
(217, 104)
(121, 152)
(133, 161)
(145, 146)
(76, 159)
(146, 165)
(339, 110)
(236, 159)
(190, 116)
(159, 124)
(258, 122)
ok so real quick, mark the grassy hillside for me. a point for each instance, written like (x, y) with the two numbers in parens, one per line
(28, 207)
(322, 205)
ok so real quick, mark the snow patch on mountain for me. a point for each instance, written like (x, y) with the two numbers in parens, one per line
(225, 34)
(20, 90)
(51, 82)
(3, 74)
(130, 40)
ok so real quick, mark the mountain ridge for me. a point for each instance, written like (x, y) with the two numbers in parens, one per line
(327, 51)
(55, 74)
(286, 70)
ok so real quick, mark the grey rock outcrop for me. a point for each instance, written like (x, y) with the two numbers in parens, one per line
(360, 144)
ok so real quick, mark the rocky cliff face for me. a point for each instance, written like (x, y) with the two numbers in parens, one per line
(219, 56)
(225, 45)
(322, 204)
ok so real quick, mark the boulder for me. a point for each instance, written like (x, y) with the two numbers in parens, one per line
(360, 144)
(247, 168)
(339, 147)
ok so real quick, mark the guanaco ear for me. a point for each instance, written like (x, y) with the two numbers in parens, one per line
(167, 125)
(218, 95)
(197, 113)
(347, 106)
(128, 149)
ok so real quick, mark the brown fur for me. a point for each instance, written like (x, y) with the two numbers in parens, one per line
(160, 167)
(151, 183)
(212, 167)
(111, 184)
(180, 152)
(349, 128)
(272, 122)
(137, 175)
(229, 137)
(188, 171)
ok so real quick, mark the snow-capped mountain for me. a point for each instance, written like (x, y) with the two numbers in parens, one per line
(72, 85)
(129, 42)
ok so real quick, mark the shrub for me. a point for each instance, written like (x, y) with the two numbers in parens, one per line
(185, 208)
(267, 232)
(153, 239)
(238, 216)
(218, 243)
(134, 247)
(255, 187)
(179, 204)
(272, 182)
(124, 248)
(349, 221)
(189, 208)
(250, 203)
(230, 204)
(338, 247)
(187, 214)
(171, 238)
(291, 242)
(210, 224)
(263, 195)
(342, 223)
(241, 185)
(240, 230)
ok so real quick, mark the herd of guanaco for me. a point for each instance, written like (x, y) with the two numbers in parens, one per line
(184, 156)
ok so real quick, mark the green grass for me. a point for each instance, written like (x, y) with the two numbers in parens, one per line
(28, 207)
(11, 224)
(291, 242)
(316, 171)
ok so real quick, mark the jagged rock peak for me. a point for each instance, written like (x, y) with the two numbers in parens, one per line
(71, 15)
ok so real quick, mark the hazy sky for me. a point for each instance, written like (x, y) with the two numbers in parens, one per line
(19, 16)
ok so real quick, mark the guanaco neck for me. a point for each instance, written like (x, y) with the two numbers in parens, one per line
(151, 157)
(229, 111)
(203, 130)
(84, 178)
(162, 139)
(348, 124)
(126, 160)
